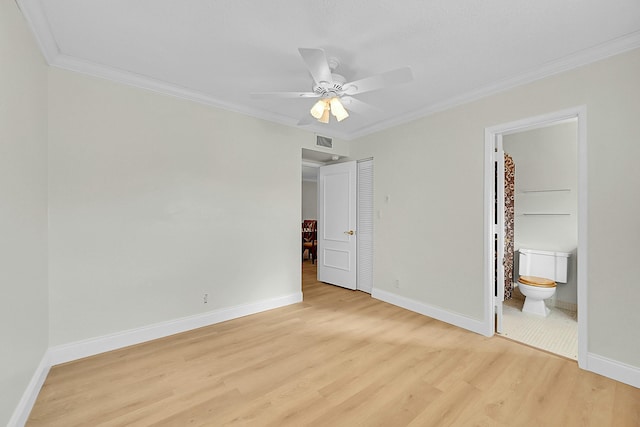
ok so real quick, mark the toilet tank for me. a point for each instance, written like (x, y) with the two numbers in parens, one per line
(550, 265)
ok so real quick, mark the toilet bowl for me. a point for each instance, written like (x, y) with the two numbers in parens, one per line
(536, 290)
(539, 271)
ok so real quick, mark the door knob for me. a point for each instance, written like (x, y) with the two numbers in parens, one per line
(350, 232)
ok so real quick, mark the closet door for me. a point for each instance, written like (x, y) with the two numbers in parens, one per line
(364, 277)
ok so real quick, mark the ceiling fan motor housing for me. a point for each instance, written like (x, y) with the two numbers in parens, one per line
(331, 89)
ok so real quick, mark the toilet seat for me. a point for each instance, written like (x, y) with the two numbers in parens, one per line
(540, 282)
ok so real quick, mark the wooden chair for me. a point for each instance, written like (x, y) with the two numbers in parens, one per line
(310, 238)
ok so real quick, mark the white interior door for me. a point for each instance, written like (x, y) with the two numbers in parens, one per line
(336, 224)
(499, 231)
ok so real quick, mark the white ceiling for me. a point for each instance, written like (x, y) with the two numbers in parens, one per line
(219, 51)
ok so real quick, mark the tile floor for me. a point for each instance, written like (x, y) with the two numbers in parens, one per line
(556, 333)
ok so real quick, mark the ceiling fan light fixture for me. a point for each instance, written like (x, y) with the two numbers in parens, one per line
(331, 90)
(338, 110)
(325, 116)
(318, 109)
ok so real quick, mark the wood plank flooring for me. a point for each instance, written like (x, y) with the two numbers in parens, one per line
(340, 358)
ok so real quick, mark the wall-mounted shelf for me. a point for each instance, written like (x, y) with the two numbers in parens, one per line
(548, 190)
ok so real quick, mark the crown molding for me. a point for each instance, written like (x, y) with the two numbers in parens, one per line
(597, 53)
(36, 18)
(140, 81)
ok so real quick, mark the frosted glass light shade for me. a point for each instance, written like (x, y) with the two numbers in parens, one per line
(318, 109)
(337, 109)
(325, 116)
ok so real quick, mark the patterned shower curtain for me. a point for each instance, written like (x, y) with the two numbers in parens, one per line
(509, 204)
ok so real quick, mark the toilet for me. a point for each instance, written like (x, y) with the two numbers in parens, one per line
(539, 272)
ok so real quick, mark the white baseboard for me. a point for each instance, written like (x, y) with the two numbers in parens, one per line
(609, 368)
(22, 411)
(613, 369)
(455, 319)
(68, 352)
(77, 350)
(89, 347)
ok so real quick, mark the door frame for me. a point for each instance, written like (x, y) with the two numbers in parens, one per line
(492, 134)
(360, 216)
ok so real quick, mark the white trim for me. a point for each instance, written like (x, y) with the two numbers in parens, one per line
(438, 313)
(613, 369)
(25, 405)
(489, 230)
(579, 59)
(37, 20)
(312, 164)
(92, 346)
(140, 81)
(601, 365)
(580, 113)
(499, 225)
(583, 239)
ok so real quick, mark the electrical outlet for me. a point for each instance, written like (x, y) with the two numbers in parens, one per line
(205, 298)
(396, 284)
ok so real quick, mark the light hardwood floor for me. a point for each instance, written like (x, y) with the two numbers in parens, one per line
(338, 358)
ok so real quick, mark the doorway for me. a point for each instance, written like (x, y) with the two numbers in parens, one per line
(310, 165)
(540, 194)
(495, 256)
(359, 226)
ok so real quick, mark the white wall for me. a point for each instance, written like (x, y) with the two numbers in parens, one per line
(309, 200)
(154, 201)
(430, 232)
(547, 159)
(151, 198)
(23, 211)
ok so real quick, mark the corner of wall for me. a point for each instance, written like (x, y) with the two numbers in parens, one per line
(437, 313)
(28, 399)
(613, 369)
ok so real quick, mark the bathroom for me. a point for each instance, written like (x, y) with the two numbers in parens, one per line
(545, 218)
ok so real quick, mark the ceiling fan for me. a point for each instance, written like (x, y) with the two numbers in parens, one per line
(333, 89)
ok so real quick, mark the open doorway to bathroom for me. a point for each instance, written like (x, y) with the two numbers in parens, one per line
(541, 213)
(538, 202)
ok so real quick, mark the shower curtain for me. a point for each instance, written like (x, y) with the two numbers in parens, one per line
(509, 203)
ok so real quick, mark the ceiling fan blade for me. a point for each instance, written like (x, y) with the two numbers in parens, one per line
(285, 95)
(390, 78)
(357, 106)
(317, 64)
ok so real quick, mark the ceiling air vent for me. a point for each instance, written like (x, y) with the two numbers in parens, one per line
(323, 141)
